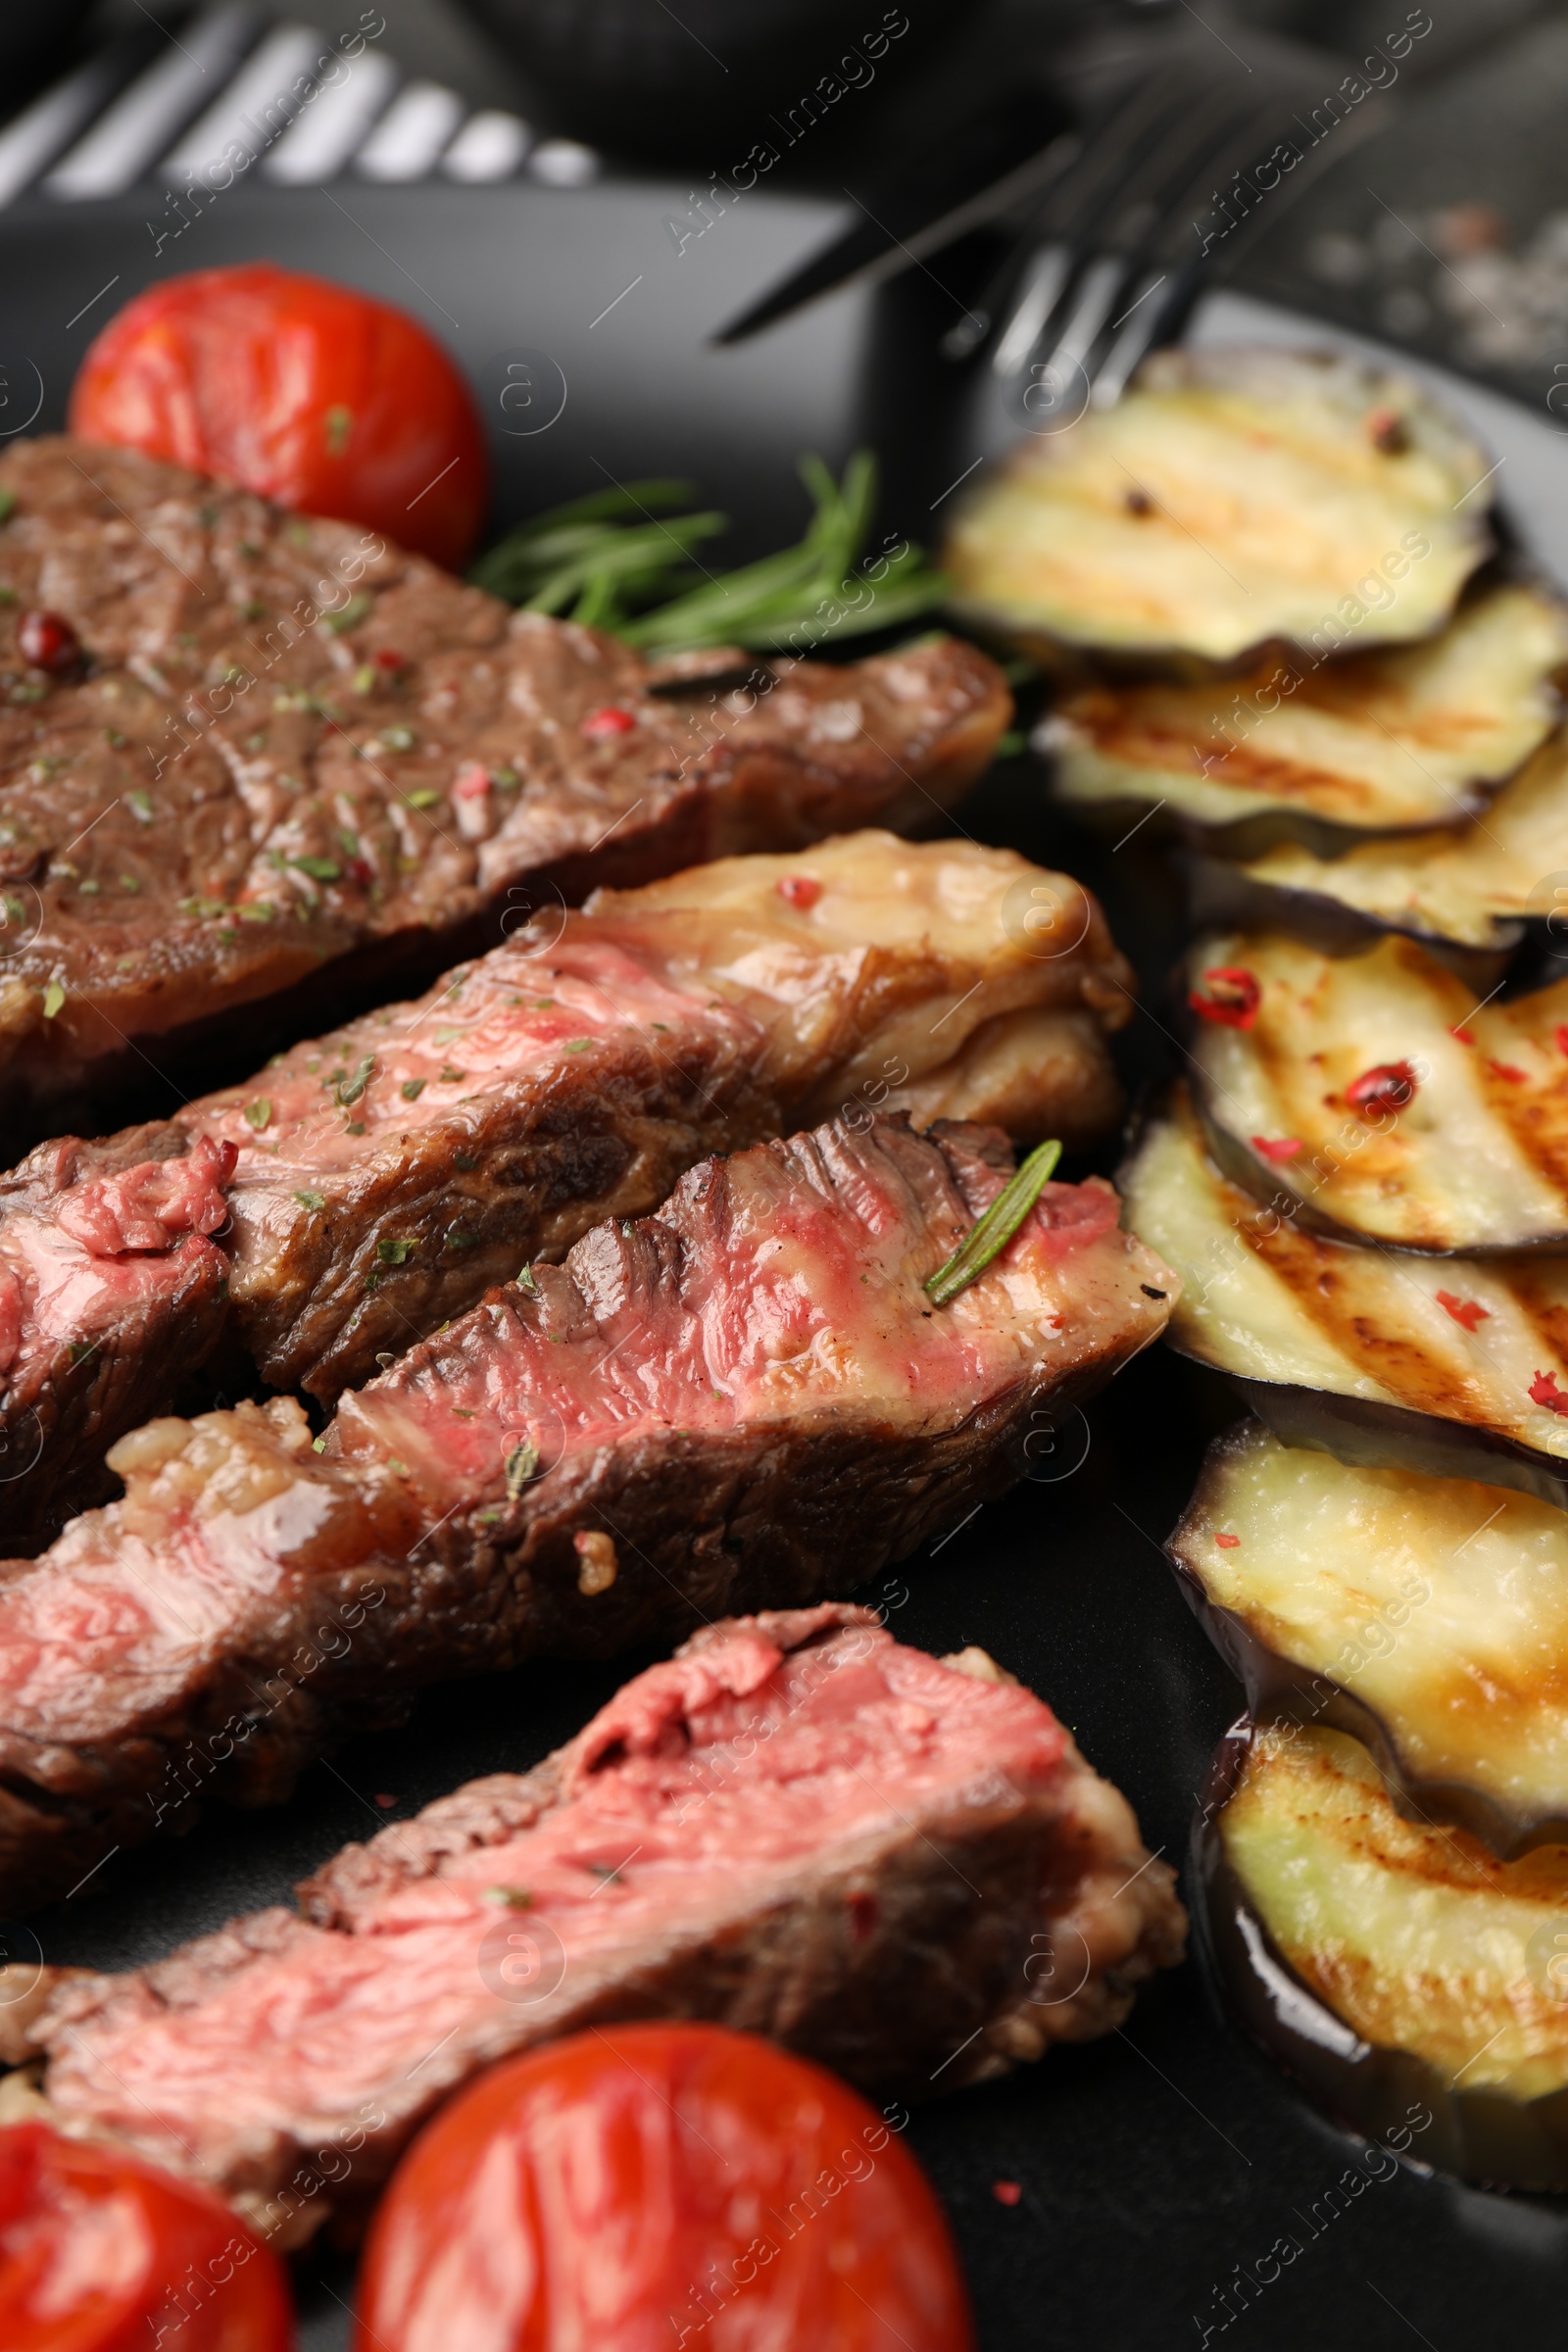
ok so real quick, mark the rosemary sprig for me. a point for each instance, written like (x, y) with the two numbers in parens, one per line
(611, 563)
(611, 537)
(992, 1231)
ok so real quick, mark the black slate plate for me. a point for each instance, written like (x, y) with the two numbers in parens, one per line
(1160, 2166)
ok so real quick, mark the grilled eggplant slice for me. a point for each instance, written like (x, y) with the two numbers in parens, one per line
(1409, 737)
(1428, 1616)
(1380, 1095)
(1236, 498)
(1409, 1980)
(1471, 886)
(1453, 1366)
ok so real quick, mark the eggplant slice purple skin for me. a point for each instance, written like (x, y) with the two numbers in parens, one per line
(1365, 1432)
(1221, 896)
(1247, 837)
(1470, 889)
(1284, 463)
(1414, 1022)
(1368, 1436)
(1246, 1171)
(1283, 1690)
(1480, 2136)
(1483, 2139)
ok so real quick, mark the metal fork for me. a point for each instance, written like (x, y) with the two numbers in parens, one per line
(1105, 255)
(1110, 259)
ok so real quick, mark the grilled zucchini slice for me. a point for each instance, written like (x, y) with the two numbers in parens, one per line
(1412, 736)
(1380, 1095)
(1428, 1616)
(1473, 885)
(1236, 498)
(1410, 1980)
(1453, 1366)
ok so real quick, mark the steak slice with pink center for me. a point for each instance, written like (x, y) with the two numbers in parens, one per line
(744, 1401)
(797, 1826)
(380, 1178)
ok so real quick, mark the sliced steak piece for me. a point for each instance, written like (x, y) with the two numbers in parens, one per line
(744, 1402)
(111, 1290)
(896, 1865)
(289, 746)
(383, 1177)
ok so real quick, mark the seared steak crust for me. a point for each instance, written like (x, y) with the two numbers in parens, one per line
(745, 1400)
(381, 1178)
(290, 746)
(797, 1827)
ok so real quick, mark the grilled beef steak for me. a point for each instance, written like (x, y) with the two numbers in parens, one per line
(747, 1401)
(287, 747)
(797, 1826)
(381, 1178)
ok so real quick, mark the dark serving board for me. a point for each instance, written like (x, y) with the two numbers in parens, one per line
(1156, 2165)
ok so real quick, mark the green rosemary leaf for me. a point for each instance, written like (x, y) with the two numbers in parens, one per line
(522, 1463)
(349, 1089)
(611, 563)
(990, 1232)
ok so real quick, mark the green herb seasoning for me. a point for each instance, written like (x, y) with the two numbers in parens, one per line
(521, 1464)
(349, 615)
(990, 1232)
(609, 562)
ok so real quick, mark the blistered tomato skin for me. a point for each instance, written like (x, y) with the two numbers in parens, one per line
(305, 392)
(650, 2188)
(100, 2253)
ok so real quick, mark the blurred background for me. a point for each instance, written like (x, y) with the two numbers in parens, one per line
(1440, 220)
(1463, 252)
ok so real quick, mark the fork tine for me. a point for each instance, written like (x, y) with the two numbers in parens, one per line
(1048, 272)
(1126, 213)
(1098, 290)
(1148, 323)
(1093, 167)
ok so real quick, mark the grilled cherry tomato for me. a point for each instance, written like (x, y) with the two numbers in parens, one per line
(653, 2187)
(309, 393)
(100, 2253)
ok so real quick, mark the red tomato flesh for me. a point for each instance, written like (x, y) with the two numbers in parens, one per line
(307, 393)
(654, 2186)
(100, 2253)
